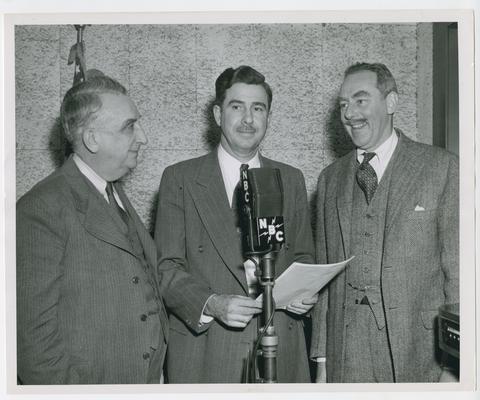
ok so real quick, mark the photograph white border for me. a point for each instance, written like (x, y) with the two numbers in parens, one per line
(467, 191)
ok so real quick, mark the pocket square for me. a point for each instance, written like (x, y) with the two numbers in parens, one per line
(419, 208)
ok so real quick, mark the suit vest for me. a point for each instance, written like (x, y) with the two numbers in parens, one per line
(363, 276)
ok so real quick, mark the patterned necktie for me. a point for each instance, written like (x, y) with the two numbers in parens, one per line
(113, 203)
(366, 177)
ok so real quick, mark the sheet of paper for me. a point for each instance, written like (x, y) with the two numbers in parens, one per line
(301, 281)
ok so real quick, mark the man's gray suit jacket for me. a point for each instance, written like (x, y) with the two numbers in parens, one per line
(80, 296)
(200, 254)
(420, 261)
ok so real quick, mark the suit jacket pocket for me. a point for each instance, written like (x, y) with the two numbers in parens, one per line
(79, 371)
(429, 317)
(419, 215)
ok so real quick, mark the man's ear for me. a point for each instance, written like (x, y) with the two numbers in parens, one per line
(269, 117)
(217, 114)
(90, 140)
(392, 101)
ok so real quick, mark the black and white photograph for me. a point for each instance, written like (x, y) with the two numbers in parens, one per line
(213, 201)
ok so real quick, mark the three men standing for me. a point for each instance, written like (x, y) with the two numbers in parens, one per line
(205, 278)
(89, 301)
(393, 203)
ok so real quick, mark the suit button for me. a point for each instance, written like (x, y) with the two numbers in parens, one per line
(200, 249)
(290, 325)
(368, 234)
(146, 356)
(135, 279)
(143, 317)
(365, 269)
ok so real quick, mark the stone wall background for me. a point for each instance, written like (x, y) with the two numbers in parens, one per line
(170, 71)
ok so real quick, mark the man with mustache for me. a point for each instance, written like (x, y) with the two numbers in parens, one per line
(393, 204)
(89, 309)
(208, 284)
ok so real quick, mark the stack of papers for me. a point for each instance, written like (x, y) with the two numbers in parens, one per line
(302, 281)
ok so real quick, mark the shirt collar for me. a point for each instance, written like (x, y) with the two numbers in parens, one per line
(230, 163)
(97, 181)
(383, 152)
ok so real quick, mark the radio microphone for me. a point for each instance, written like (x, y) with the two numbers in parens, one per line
(263, 209)
(265, 234)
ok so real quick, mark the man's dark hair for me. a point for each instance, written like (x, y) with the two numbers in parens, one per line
(82, 101)
(242, 74)
(385, 80)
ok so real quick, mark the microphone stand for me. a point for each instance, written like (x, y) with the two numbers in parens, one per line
(267, 338)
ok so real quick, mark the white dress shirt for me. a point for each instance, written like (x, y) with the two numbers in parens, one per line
(230, 168)
(96, 180)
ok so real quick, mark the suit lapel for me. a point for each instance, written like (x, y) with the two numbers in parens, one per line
(406, 167)
(100, 220)
(346, 181)
(208, 193)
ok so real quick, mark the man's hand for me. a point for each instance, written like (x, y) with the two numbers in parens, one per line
(303, 306)
(232, 310)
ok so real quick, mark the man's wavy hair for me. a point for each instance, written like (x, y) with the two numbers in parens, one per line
(385, 80)
(242, 74)
(82, 101)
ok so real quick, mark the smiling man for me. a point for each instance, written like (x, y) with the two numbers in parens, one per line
(89, 310)
(393, 204)
(208, 284)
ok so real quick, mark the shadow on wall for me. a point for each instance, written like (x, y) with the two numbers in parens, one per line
(338, 142)
(212, 132)
(58, 145)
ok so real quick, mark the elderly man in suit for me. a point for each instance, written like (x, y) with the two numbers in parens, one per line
(89, 309)
(393, 204)
(207, 282)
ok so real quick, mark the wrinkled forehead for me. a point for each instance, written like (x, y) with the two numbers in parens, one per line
(114, 104)
(361, 81)
(115, 110)
(246, 93)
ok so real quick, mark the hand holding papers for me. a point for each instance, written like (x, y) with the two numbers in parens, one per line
(301, 281)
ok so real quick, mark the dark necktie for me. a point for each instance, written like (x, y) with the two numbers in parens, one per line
(237, 199)
(113, 203)
(238, 203)
(366, 177)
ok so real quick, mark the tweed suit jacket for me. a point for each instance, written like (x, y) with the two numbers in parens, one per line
(80, 295)
(200, 254)
(419, 262)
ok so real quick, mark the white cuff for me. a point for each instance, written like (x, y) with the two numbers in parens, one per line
(321, 359)
(205, 319)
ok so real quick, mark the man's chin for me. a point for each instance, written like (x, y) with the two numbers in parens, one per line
(359, 138)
